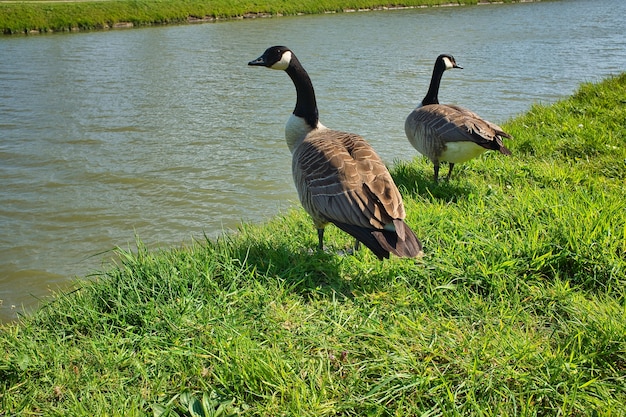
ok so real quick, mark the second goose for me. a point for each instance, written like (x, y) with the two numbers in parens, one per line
(444, 132)
(339, 177)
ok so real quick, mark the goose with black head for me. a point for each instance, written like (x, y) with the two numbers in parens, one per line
(450, 133)
(339, 177)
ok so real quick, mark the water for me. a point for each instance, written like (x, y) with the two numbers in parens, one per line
(166, 134)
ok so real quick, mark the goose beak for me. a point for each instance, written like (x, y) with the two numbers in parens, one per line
(457, 66)
(259, 62)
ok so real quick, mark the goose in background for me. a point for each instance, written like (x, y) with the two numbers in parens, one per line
(450, 133)
(339, 177)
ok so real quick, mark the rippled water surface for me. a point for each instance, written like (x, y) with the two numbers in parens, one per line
(166, 134)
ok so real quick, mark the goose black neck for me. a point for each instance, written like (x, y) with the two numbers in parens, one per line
(432, 96)
(306, 105)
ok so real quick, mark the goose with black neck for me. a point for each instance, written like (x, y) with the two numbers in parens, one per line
(450, 133)
(339, 177)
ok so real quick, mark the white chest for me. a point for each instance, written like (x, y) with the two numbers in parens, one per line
(296, 130)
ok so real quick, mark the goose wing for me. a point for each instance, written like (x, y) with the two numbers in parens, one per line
(340, 178)
(457, 124)
(485, 127)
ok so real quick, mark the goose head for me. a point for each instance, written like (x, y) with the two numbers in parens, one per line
(446, 62)
(275, 57)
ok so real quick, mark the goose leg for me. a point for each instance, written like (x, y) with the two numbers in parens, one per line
(320, 236)
(450, 172)
(436, 171)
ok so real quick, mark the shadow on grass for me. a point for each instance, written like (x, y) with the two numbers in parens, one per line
(307, 272)
(414, 181)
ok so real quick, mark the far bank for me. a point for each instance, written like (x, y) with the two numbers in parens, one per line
(35, 17)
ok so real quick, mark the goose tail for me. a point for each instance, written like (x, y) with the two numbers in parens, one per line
(399, 240)
(502, 134)
(504, 150)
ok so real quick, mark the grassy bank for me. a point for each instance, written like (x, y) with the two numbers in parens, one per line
(54, 16)
(517, 308)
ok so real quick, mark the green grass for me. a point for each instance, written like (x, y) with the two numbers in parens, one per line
(54, 16)
(517, 308)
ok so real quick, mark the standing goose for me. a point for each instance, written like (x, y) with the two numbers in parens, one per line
(339, 177)
(444, 132)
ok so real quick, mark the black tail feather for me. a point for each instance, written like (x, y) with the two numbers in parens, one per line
(504, 150)
(402, 242)
(382, 242)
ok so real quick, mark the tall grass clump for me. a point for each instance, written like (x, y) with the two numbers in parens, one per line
(517, 309)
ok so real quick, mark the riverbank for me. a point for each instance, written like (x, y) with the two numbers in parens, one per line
(33, 17)
(517, 307)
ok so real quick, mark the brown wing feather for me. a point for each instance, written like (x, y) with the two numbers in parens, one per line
(450, 123)
(340, 178)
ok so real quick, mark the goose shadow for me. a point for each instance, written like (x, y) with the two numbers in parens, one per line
(414, 181)
(305, 271)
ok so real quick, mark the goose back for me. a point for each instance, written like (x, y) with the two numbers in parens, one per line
(438, 130)
(341, 179)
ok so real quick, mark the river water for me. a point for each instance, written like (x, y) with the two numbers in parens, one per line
(166, 134)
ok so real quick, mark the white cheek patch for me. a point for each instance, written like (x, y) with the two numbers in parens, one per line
(449, 64)
(283, 63)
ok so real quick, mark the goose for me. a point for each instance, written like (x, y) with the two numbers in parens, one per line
(339, 177)
(444, 132)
